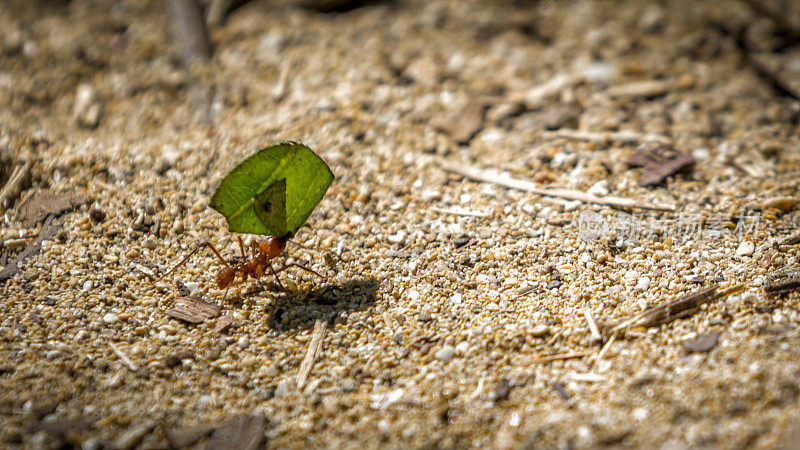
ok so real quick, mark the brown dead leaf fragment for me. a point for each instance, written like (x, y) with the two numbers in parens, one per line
(702, 343)
(39, 205)
(50, 228)
(192, 310)
(657, 169)
(465, 124)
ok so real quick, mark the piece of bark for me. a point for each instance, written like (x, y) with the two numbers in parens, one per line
(35, 207)
(465, 124)
(223, 323)
(49, 229)
(242, 432)
(192, 310)
(783, 281)
(656, 173)
(19, 180)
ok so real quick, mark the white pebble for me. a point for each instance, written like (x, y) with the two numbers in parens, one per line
(642, 284)
(110, 318)
(446, 353)
(540, 330)
(87, 286)
(462, 348)
(640, 414)
(572, 206)
(193, 287)
(746, 248)
(397, 238)
(599, 189)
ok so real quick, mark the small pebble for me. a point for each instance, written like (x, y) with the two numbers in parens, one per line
(785, 204)
(397, 238)
(462, 348)
(110, 318)
(642, 284)
(746, 248)
(572, 205)
(132, 254)
(425, 317)
(540, 330)
(193, 287)
(445, 354)
(599, 189)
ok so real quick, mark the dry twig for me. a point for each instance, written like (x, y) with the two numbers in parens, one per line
(558, 357)
(783, 281)
(681, 307)
(604, 137)
(592, 325)
(320, 328)
(16, 183)
(495, 177)
(461, 212)
(123, 357)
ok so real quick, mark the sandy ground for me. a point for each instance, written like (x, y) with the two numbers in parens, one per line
(442, 293)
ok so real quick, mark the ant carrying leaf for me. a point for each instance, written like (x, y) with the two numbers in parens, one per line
(270, 193)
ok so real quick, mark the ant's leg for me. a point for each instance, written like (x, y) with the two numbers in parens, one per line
(324, 252)
(206, 244)
(275, 272)
(225, 295)
(241, 247)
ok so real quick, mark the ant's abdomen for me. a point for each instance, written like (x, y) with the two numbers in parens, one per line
(225, 277)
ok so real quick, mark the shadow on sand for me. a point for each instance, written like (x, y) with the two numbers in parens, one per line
(293, 311)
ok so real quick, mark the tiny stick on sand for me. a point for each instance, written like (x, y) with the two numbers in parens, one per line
(558, 357)
(320, 329)
(495, 177)
(123, 357)
(624, 137)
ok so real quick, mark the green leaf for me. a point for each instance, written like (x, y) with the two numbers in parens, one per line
(273, 191)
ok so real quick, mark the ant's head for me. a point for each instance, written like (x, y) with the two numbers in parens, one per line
(225, 277)
(273, 246)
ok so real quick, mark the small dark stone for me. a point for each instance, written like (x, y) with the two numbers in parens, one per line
(425, 317)
(461, 241)
(50, 301)
(702, 343)
(175, 359)
(553, 284)
(501, 390)
(97, 215)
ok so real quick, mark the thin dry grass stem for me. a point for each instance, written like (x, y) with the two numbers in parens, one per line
(558, 357)
(500, 179)
(461, 212)
(625, 137)
(593, 329)
(123, 357)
